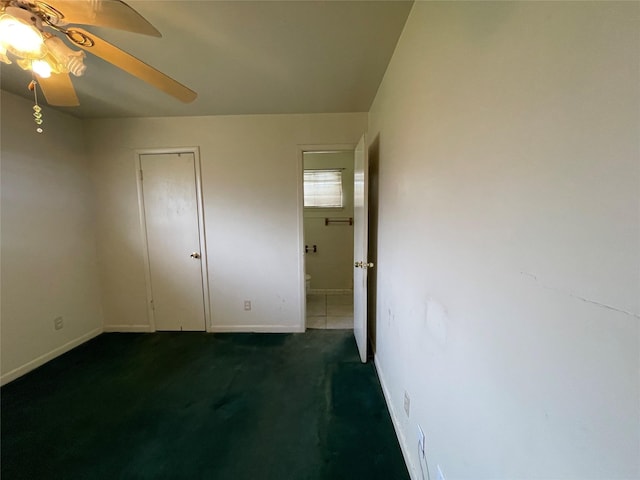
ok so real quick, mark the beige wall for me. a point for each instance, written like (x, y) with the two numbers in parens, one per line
(251, 173)
(331, 266)
(509, 242)
(49, 266)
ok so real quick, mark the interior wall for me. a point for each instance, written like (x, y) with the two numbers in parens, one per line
(509, 234)
(330, 266)
(252, 192)
(49, 267)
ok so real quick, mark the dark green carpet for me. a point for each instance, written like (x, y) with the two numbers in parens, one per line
(196, 406)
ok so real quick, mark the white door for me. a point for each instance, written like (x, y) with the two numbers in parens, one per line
(170, 201)
(360, 236)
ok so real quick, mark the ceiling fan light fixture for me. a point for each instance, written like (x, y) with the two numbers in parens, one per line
(31, 34)
(21, 38)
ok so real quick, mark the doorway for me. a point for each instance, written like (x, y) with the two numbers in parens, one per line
(171, 218)
(328, 237)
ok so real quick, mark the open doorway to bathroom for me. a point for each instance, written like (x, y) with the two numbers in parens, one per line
(328, 238)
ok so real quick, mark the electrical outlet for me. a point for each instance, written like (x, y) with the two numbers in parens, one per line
(407, 403)
(421, 447)
(439, 474)
(247, 305)
(58, 323)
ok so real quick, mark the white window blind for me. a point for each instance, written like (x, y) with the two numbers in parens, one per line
(323, 188)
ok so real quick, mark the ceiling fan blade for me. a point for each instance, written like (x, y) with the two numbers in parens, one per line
(58, 90)
(130, 64)
(101, 13)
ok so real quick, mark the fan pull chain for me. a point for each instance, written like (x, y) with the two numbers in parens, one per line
(37, 110)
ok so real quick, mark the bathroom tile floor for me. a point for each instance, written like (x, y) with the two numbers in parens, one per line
(330, 311)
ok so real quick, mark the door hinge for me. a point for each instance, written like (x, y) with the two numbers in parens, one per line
(153, 307)
(141, 176)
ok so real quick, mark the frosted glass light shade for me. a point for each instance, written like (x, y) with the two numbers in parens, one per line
(20, 38)
(3, 55)
(41, 68)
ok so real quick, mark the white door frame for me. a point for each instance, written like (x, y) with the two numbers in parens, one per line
(302, 148)
(143, 229)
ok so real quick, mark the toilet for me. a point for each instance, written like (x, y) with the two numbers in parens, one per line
(307, 282)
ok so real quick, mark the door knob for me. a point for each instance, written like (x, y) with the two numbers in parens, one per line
(195, 255)
(363, 265)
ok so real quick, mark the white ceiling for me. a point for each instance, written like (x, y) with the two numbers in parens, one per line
(243, 57)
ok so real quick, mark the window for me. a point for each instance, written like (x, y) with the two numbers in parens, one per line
(323, 188)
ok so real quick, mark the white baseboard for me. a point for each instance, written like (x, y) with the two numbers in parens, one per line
(256, 329)
(127, 328)
(413, 472)
(329, 291)
(42, 359)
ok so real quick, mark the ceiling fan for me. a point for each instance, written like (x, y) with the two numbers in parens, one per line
(32, 31)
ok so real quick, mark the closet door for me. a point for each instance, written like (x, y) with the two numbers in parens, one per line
(172, 223)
